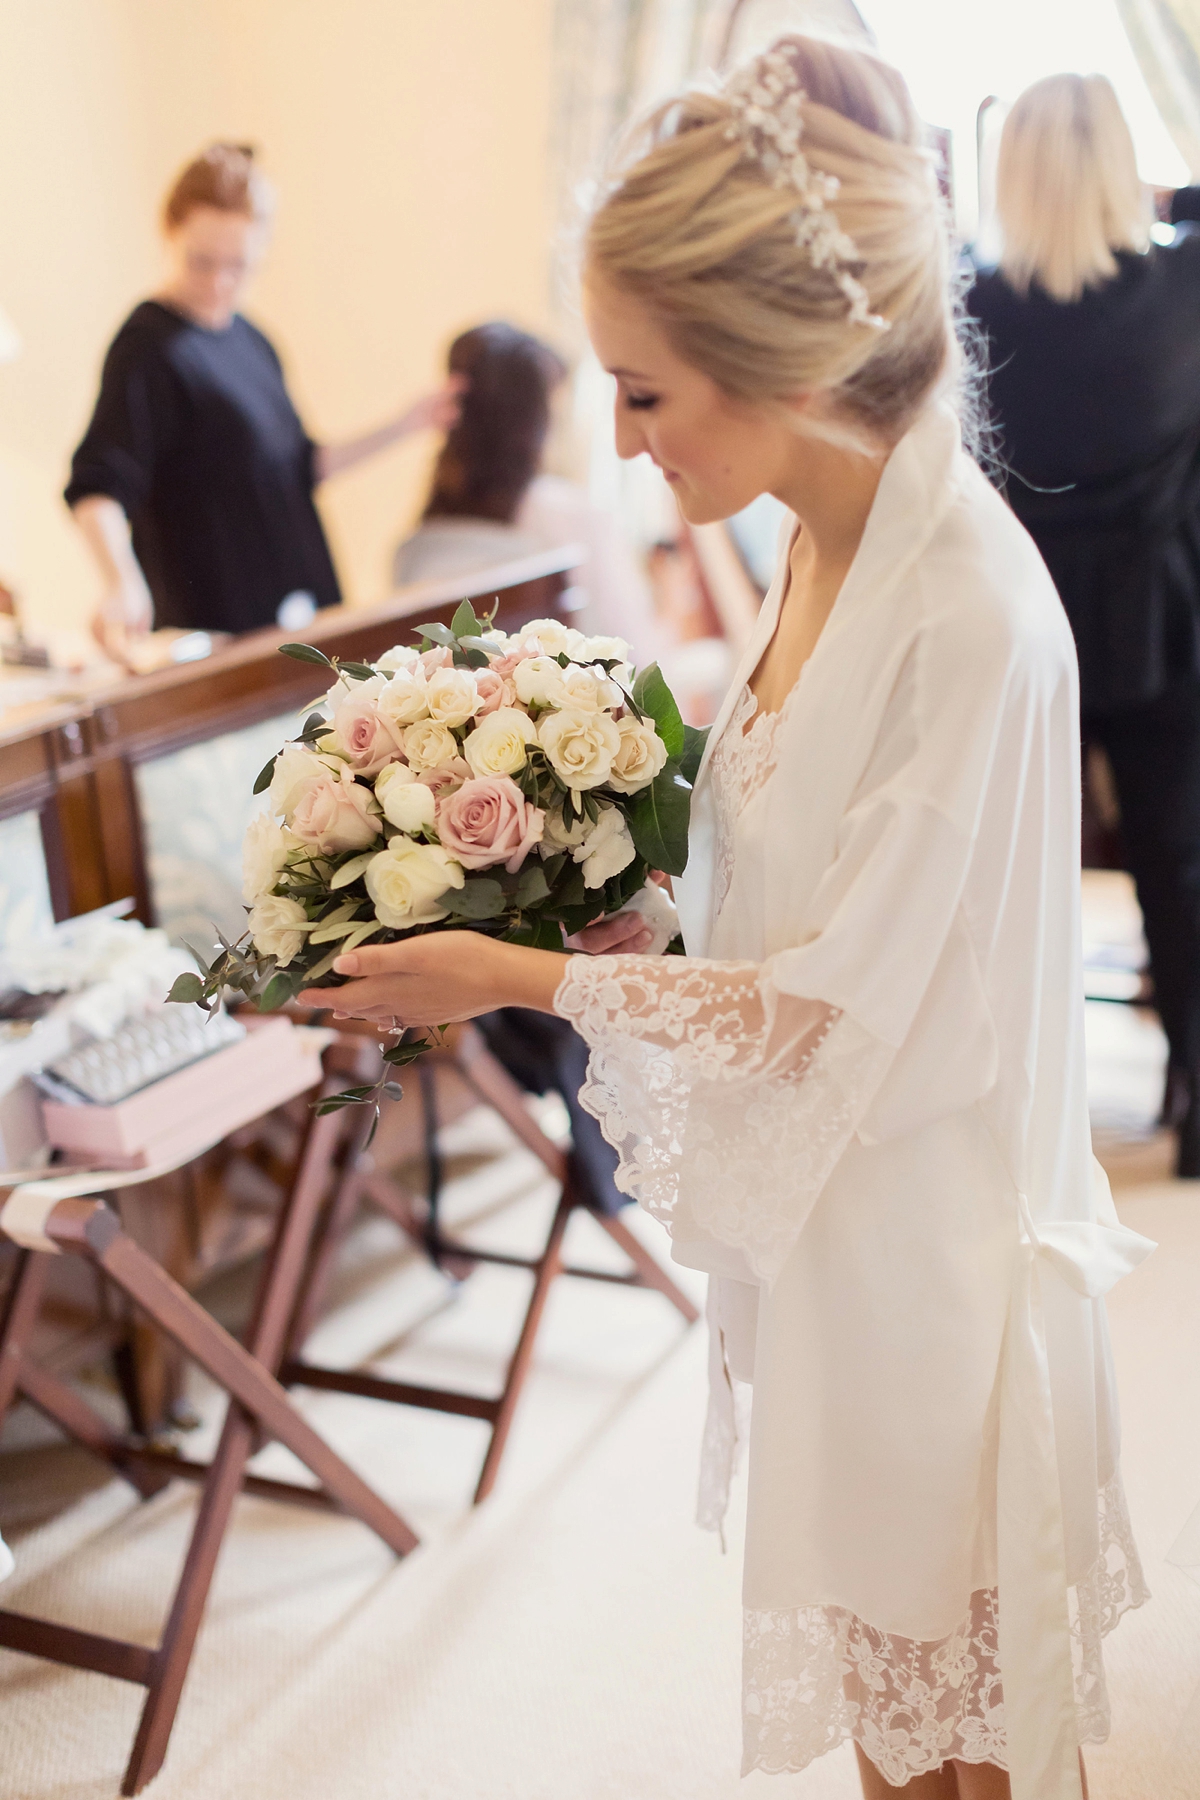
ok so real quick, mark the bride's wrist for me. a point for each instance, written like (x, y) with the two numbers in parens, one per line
(520, 976)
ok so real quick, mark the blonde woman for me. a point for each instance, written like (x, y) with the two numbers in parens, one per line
(858, 1101)
(1094, 346)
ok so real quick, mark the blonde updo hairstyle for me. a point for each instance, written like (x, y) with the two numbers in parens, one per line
(695, 230)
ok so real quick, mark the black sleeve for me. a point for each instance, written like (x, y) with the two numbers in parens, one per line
(133, 422)
(1185, 205)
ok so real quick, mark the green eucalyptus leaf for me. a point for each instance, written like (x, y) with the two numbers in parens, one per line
(479, 899)
(305, 653)
(655, 698)
(533, 885)
(350, 871)
(187, 990)
(464, 623)
(278, 991)
(438, 634)
(357, 671)
(264, 777)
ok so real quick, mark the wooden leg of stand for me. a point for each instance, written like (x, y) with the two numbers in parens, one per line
(174, 1654)
(339, 1218)
(63, 1407)
(518, 1368)
(650, 1271)
(20, 1316)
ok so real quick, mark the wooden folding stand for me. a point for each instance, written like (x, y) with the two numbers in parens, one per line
(44, 1222)
(468, 1053)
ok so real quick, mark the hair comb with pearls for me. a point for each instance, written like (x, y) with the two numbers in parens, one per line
(767, 101)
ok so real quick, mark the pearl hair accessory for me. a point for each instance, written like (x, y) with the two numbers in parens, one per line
(767, 100)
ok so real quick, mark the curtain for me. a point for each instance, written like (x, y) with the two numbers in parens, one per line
(1165, 35)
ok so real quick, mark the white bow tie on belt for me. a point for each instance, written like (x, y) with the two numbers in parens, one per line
(1035, 1628)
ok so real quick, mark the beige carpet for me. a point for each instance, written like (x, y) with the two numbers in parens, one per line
(574, 1639)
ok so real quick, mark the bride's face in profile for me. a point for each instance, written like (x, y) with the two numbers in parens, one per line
(717, 453)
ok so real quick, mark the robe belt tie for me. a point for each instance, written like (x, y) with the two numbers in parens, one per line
(1035, 1626)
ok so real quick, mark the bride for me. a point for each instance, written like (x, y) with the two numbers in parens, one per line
(858, 1101)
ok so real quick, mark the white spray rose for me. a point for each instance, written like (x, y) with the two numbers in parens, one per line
(403, 699)
(452, 696)
(428, 745)
(640, 758)
(407, 803)
(498, 744)
(296, 770)
(580, 746)
(538, 681)
(275, 926)
(607, 848)
(556, 836)
(407, 880)
(264, 854)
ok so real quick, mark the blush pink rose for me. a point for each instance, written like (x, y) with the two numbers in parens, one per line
(504, 665)
(489, 821)
(362, 735)
(337, 813)
(447, 777)
(495, 690)
(440, 657)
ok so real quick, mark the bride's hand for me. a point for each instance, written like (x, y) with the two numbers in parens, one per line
(438, 978)
(621, 934)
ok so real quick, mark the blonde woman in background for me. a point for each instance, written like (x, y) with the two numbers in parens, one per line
(859, 1100)
(1094, 348)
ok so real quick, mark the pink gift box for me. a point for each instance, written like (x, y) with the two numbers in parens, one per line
(177, 1117)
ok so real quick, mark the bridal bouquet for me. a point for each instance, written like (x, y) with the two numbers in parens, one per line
(520, 785)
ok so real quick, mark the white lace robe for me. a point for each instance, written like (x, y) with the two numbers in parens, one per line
(860, 1105)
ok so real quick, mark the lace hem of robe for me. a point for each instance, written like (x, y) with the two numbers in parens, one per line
(728, 1101)
(817, 1675)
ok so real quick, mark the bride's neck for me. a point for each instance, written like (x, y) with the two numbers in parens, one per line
(831, 491)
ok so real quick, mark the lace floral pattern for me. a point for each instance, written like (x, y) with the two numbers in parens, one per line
(817, 1675)
(743, 761)
(728, 1101)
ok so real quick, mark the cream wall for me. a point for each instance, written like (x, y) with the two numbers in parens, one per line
(408, 140)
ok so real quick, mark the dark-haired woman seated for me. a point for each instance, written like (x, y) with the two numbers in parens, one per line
(489, 501)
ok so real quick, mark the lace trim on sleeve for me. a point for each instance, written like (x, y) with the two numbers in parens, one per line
(728, 1100)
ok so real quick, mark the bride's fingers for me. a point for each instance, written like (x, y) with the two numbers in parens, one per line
(624, 931)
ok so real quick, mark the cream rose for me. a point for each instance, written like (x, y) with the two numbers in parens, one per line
(499, 743)
(264, 853)
(407, 803)
(640, 758)
(276, 927)
(400, 656)
(407, 880)
(603, 649)
(296, 769)
(427, 744)
(586, 689)
(580, 746)
(337, 813)
(452, 696)
(538, 681)
(607, 848)
(404, 698)
(555, 638)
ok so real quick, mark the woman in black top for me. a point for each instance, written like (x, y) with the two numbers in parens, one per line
(1094, 388)
(194, 481)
